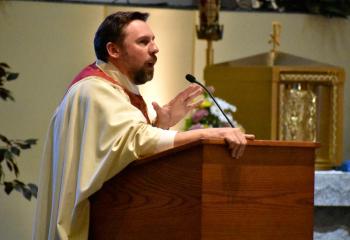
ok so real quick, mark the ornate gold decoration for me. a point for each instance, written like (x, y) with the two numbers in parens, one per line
(309, 77)
(298, 113)
(334, 129)
(209, 27)
(301, 97)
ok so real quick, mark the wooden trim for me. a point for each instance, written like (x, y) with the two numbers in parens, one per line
(222, 142)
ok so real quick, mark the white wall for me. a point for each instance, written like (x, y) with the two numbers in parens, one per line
(48, 43)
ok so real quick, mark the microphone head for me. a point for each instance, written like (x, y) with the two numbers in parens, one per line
(190, 78)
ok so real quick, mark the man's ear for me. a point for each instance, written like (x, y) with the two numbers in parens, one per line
(113, 50)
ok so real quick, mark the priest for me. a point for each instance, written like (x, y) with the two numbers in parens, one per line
(102, 125)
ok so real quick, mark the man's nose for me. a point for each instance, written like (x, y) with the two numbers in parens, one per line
(154, 48)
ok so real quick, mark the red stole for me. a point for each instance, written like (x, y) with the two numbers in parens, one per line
(93, 70)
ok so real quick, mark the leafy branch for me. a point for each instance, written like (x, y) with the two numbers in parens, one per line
(11, 149)
(6, 75)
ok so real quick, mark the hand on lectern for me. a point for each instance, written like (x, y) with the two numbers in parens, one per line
(237, 141)
(235, 138)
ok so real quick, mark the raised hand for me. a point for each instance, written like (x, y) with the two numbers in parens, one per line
(176, 109)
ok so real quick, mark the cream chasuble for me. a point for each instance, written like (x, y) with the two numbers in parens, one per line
(94, 134)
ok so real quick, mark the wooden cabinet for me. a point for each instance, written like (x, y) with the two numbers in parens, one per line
(292, 99)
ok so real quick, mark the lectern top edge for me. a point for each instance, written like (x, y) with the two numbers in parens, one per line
(222, 142)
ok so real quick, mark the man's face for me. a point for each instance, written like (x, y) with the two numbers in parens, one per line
(138, 52)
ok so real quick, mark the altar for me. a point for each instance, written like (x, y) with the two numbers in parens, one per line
(332, 205)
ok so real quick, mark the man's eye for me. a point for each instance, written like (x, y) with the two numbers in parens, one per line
(143, 42)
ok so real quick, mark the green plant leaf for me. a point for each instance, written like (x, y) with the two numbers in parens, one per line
(2, 154)
(31, 141)
(2, 72)
(4, 139)
(4, 65)
(8, 187)
(18, 182)
(21, 187)
(25, 144)
(33, 188)
(16, 170)
(15, 150)
(8, 155)
(26, 193)
(12, 76)
(9, 165)
(5, 94)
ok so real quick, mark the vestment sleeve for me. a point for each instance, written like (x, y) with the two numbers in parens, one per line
(95, 133)
(111, 131)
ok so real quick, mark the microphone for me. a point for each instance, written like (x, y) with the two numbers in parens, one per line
(192, 79)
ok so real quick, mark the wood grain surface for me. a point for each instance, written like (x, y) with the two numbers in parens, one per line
(197, 192)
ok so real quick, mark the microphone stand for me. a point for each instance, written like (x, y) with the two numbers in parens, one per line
(192, 79)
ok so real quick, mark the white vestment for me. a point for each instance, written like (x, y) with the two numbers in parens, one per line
(94, 134)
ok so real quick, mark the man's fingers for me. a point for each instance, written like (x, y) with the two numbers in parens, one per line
(249, 136)
(189, 90)
(235, 150)
(233, 145)
(195, 104)
(156, 106)
(240, 145)
(238, 150)
(237, 142)
(241, 151)
(195, 94)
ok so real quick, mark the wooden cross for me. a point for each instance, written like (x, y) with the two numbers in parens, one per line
(275, 36)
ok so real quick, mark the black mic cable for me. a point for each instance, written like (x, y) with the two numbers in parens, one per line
(192, 79)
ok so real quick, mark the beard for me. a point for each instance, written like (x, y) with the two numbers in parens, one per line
(143, 75)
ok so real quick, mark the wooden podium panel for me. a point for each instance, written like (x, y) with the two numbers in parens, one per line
(157, 199)
(267, 194)
(197, 191)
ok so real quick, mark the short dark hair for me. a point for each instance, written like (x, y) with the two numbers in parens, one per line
(111, 30)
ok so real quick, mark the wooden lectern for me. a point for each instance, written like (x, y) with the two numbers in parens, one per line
(197, 191)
